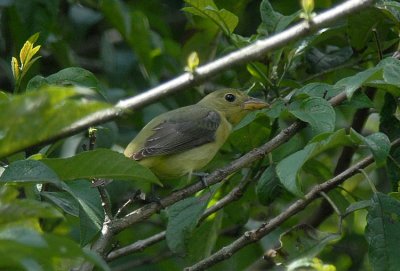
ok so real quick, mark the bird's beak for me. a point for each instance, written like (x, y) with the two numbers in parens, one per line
(254, 104)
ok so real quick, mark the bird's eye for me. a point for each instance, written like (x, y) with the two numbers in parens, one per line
(230, 97)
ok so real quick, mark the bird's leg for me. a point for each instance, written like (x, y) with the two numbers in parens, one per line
(153, 197)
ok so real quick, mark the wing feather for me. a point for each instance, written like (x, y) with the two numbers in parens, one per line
(184, 133)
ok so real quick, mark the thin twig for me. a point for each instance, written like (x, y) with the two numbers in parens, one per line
(136, 247)
(144, 261)
(105, 201)
(371, 184)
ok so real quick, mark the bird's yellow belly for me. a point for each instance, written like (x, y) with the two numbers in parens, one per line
(180, 164)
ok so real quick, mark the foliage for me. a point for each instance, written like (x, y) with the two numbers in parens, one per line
(63, 62)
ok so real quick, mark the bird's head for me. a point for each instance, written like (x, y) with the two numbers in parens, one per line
(233, 104)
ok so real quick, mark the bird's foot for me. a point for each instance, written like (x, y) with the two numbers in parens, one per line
(202, 176)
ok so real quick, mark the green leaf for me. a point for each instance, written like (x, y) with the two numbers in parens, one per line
(204, 238)
(358, 205)
(183, 217)
(135, 28)
(268, 186)
(29, 171)
(23, 248)
(37, 116)
(13, 210)
(352, 83)
(389, 124)
(73, 76)
(100, 163)
(273, 21)
(91, 214)
(288, 168)
(390, 8)
(251, 133)
(64, 200)
(302, 242)
(386, 79)
(393, 168)
(383, 233)
(378, 143)
(317, 112)
(391, 71)
(321, 90)
(269, 16)
(360, 26)
(320, 61)
(225, 19)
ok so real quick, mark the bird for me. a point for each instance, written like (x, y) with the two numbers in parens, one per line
(182, 141)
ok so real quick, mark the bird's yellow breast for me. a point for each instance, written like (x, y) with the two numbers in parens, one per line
(180, 164)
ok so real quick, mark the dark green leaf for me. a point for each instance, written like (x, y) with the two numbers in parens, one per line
(225, 19)
(40, 115)
(288, 168)
(321, 61)
(269, 16)
(321, 90)
(100, 163)
(13, 210)
(358, 205)
(379, 144)
(352, 83)
(183, 217)
(204, 237)
(393, 168)
(31, 171)
(268, 186)
(250, 135)
(383, 233)
(390, 8)
(23, 248)
(391, 71)
(91, 212)
(317, 112)
(272, 20)
(63, 200)
(302, 242)
(389, 124)
(360, 26)
(73, 76)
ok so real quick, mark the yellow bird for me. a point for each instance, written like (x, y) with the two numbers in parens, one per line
(186, 139)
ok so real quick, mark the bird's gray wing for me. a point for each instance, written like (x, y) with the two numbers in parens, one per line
(186, 131)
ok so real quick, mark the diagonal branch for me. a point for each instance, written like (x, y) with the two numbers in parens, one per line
(232, 196)
(252, 236)
(247, 54)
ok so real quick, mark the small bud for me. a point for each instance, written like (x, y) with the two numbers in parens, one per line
(192, 62)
